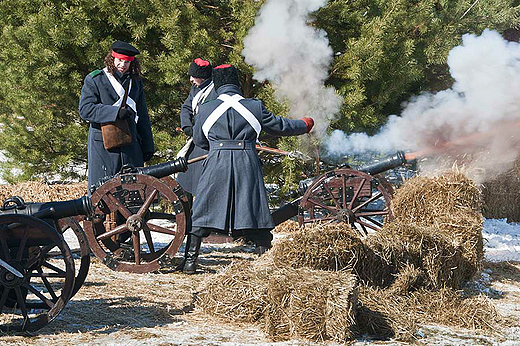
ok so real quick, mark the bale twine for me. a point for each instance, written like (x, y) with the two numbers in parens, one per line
(287, 302)
(331, 247)
(38, 191)
(383, 313)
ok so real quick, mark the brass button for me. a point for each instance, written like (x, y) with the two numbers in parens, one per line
(221, 144)
(239, 144)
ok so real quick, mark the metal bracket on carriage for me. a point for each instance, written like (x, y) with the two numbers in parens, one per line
(110, 262)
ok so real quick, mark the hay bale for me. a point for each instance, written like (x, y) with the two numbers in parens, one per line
(331, 247)
(437, 228)
(237, 292)
(287, 302)
(289, 226)
(382, 313)
(438, 256)
(437, 200)
(311, 304)
(38, 191)
(501, 196)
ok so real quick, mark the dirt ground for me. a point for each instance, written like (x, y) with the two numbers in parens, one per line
(115, 308)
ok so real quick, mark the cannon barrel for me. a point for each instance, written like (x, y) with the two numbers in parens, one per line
(394, 161)
(160, 170)
(54, 210)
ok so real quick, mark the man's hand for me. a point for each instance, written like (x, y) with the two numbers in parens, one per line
(309, 122)
(125, 113)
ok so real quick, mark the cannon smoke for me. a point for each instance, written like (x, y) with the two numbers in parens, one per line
(294, 57)
(475, 123)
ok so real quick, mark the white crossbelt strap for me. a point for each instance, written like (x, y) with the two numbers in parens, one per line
(200, 97)
(231, 102)
(121, 92)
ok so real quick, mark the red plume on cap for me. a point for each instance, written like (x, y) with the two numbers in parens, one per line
(223, 66)
(201, 62)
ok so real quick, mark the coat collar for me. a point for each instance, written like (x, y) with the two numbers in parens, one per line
(229, 89)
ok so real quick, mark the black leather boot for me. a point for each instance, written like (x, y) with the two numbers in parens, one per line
(260, 250)
(191, 254)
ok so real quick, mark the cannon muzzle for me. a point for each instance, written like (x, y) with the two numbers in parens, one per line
(54, 210)
(386, 164)
(164, 169)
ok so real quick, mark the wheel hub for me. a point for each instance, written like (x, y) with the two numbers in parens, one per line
(135, 223)
(346, 215)
(9, 279)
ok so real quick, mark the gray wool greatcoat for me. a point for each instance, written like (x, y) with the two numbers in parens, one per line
(96, 107)
(189, 179)
(231, 194)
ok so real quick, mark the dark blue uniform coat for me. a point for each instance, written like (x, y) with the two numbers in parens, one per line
(95, 106)
(231, 194)
(190, 178)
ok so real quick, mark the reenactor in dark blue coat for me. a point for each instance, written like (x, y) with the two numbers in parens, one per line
(201, 91)
(231, 196)
(101, 98)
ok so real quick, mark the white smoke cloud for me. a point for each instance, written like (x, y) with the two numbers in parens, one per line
(485, 94)
(295, 58)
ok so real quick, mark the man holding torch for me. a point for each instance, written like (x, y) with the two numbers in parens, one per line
(231, 195)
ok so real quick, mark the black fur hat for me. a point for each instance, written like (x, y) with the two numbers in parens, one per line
(200, 68)
(225, 74)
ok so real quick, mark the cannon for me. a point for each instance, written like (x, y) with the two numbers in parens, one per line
(359, 197)
(139, 217)
(34, 287)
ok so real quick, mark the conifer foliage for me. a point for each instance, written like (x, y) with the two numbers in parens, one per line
(385, 51)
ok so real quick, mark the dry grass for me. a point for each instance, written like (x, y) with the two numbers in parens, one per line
(383, 313)
(37, 191)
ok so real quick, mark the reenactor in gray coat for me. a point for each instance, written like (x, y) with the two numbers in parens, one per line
(101, 100)
(231, 196)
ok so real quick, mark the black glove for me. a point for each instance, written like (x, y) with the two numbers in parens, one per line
(188, 130)
(147, 156)
(125, 113)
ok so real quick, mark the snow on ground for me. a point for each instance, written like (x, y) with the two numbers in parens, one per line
(501, 240)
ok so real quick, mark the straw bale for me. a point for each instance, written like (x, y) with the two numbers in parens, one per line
(287, 302)
(289, 226)
(438, 256)
(238, 292)
(501, 195)
(382, 313)
(38, 191)
(437, 228)
(311, 304)
(331, 247)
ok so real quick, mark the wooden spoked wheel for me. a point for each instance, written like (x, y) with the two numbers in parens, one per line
(138, 224)
(70, 224)
(346, 195)
(34, 287)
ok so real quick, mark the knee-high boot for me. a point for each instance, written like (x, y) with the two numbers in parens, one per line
(191, 254)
